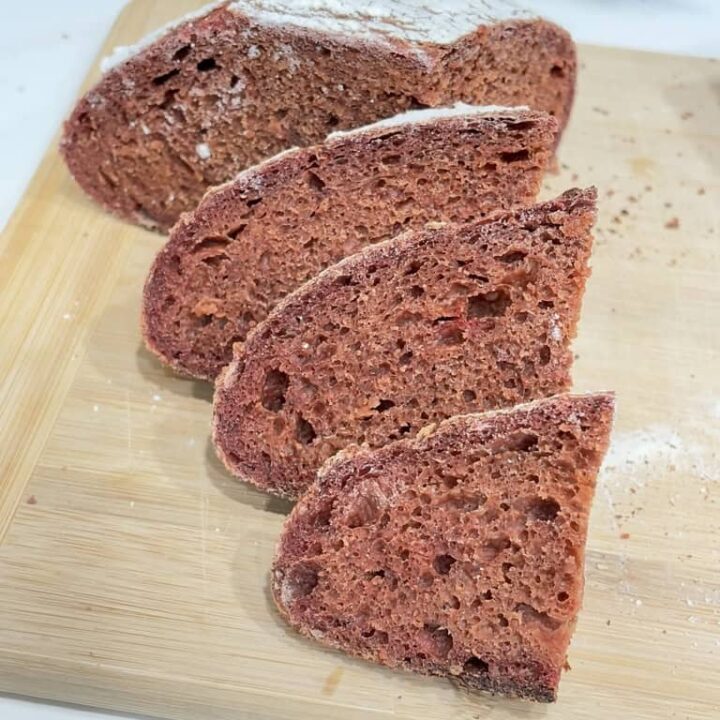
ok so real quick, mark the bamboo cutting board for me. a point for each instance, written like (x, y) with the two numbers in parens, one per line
(133, 571)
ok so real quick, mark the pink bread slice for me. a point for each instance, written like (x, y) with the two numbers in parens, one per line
(458, 553)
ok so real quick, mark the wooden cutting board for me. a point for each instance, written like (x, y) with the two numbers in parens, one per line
(133, 571)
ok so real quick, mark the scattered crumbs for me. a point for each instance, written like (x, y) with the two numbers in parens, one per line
(624, 212)
(32, 500)
(625, 536)
(607, 622)
(96, 408)
(601, 111)
(667, 204)
(610, 192)
(701, 191)
(632, 199)
(672, 224)
(574, 177)
(648, 188)
(687, 115)
(664, 631)
(673, 262)
(565, 166)
(638, 602)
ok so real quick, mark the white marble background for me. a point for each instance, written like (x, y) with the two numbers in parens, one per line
(46, 47)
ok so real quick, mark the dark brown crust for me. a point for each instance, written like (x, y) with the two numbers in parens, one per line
(255, 239)
(131, 141)
(385, 559)
(413, 330)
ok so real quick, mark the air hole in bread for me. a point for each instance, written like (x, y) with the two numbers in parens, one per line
(443, 563)
(530, 615)
(299, 582)
(545, 355)
(518, 156)
(236, 231)
(469, 396)
(557, 71)
(162, 79)
(475, 666)
(438, 640)
(364, 511)
(384, 405)
(274, 389)
(542, 509)
(491, 304)
(182, 53)
(211, 243)
(207, 64)
(512, 257)
(315, 182)
(516, 442)
(304, 431)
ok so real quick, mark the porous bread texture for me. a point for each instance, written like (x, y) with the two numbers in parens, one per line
(443, 321)
(257, 238)
(216, 94)
(457, 553)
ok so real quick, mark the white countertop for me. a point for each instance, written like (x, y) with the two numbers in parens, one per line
(46, 47)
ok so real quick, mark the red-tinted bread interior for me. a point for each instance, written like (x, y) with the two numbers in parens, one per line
(457, 553)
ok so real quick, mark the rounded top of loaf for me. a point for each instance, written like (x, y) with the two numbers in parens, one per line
(416, 22)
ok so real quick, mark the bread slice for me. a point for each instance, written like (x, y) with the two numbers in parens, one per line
(457, 553)
(256, 239)
(445, 321)
(237, 82)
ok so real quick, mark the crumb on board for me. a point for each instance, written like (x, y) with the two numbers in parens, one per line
(701, 191)
(672, 224)
(625, 536)
(32, 500)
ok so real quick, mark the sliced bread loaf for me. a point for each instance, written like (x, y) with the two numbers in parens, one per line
(459, 552)
(443, 321)
(239, 81)
(252, 241)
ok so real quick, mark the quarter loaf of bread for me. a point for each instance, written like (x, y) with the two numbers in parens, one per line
(239, 81)
(440, 322)
(254, 240)
(457, 553)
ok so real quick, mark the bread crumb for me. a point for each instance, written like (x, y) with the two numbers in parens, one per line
(625, 536)
(672, 224)
(32, 500)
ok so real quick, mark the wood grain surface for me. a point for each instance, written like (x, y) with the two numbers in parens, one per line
(133, 571)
